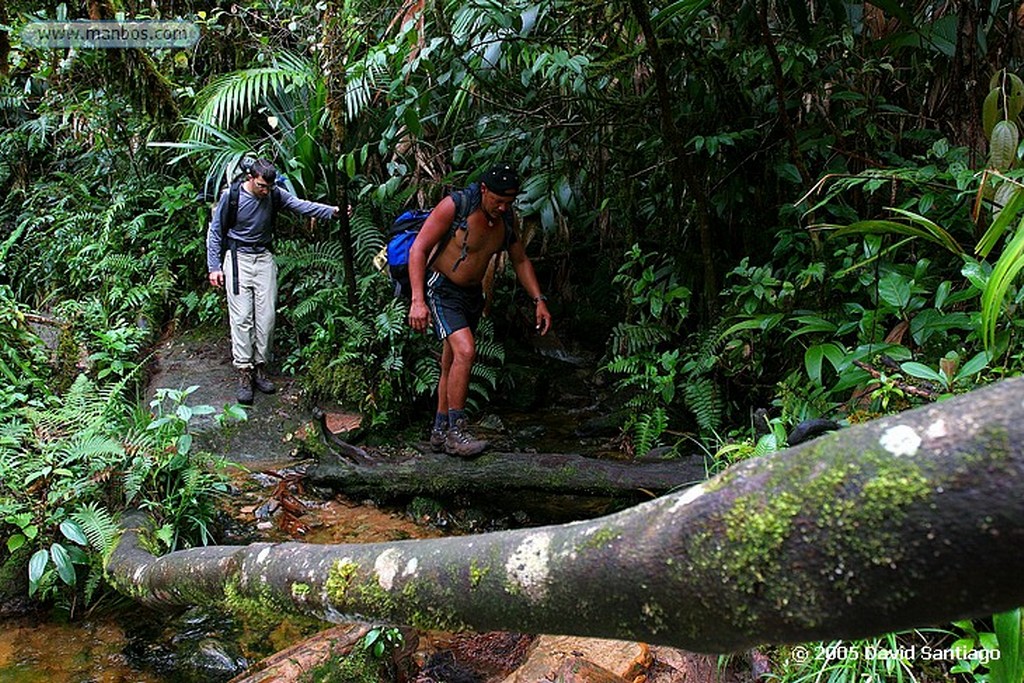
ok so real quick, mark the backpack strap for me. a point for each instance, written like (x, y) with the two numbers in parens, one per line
(466, 202)
(228, 218)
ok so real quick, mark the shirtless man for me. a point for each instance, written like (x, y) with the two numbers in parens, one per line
(451, 292)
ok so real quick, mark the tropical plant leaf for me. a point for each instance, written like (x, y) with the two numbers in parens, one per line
(1003, 273)
(1010, 201)
(1003, 145)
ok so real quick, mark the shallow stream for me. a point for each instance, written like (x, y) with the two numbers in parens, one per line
(128, 643)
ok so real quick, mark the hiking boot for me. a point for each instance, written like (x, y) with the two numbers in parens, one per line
(245, 376)
(461, 443)
(262, 382)
(437, 437)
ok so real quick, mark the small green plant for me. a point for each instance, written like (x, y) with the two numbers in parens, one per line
(379, 641)
(66, 467)
(950, 376)
(358, 666)
(648, 372)
(59, 558)
(995, 656)
(184, 483)
(118, 351)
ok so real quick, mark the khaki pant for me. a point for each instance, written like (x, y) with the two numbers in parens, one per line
(252, 312)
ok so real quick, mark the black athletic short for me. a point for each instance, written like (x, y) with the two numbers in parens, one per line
(451, 306)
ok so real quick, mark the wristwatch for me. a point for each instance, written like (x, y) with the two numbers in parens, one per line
(540, 297)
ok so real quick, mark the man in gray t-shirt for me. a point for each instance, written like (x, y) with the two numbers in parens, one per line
(246, 266)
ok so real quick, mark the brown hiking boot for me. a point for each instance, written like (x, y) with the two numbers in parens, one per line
(261, 381)
(245, 378)
(437, 438)
(461, 443)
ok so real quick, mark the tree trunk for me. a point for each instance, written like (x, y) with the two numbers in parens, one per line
(682, 175)
(908, 521)
(554, 473)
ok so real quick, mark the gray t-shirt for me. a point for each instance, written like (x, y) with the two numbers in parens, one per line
(252, 226)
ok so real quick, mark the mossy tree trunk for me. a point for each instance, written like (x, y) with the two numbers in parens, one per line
(911, 520)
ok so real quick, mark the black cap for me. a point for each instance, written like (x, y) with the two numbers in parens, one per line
(501, 179)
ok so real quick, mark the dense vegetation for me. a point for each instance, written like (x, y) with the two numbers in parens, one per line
(809, 208)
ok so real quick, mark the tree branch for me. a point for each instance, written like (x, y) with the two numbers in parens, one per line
(907, 521)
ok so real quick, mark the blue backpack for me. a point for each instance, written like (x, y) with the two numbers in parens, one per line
(405, 228)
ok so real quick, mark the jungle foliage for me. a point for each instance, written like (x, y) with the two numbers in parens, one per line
(791, 206)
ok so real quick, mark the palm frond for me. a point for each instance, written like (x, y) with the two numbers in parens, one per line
(233, 95)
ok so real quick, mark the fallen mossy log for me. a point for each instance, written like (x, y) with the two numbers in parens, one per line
(433, 474)
(908, 521)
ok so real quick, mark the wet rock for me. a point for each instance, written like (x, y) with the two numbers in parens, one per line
(213, 660)
(603, 425)
(529, 432)
(578, 670)
(492, 422)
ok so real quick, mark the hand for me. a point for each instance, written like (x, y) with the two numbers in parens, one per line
(543, 318)
(217, 278)
(419, 316)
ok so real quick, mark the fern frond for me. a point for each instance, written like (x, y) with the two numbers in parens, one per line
(485, 373)
(367, 237)
(89, 446)
(425, 375)
(234, 94)
(490, 349)
(648, 428)
(327, 257)
(629, 339)
(99, 526)
(701, 396)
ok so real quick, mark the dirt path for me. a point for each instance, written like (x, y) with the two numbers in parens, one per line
(264, 441)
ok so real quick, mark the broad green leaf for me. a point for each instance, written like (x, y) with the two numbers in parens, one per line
(974, 365)
(941, 292)
(895, 290)
(811, 324)
(977, 274)
(37, 565)
(65, 568)
(991, 112)
(1003, 273)
(1003, 147)
(922, 371)
(1012, 197)
(1015, 99)
(813, 357)
(1010, 665)
(759, 322)
(887, 227)
(73, 532)
(77, 555)
(15, 542)
(184, 443)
